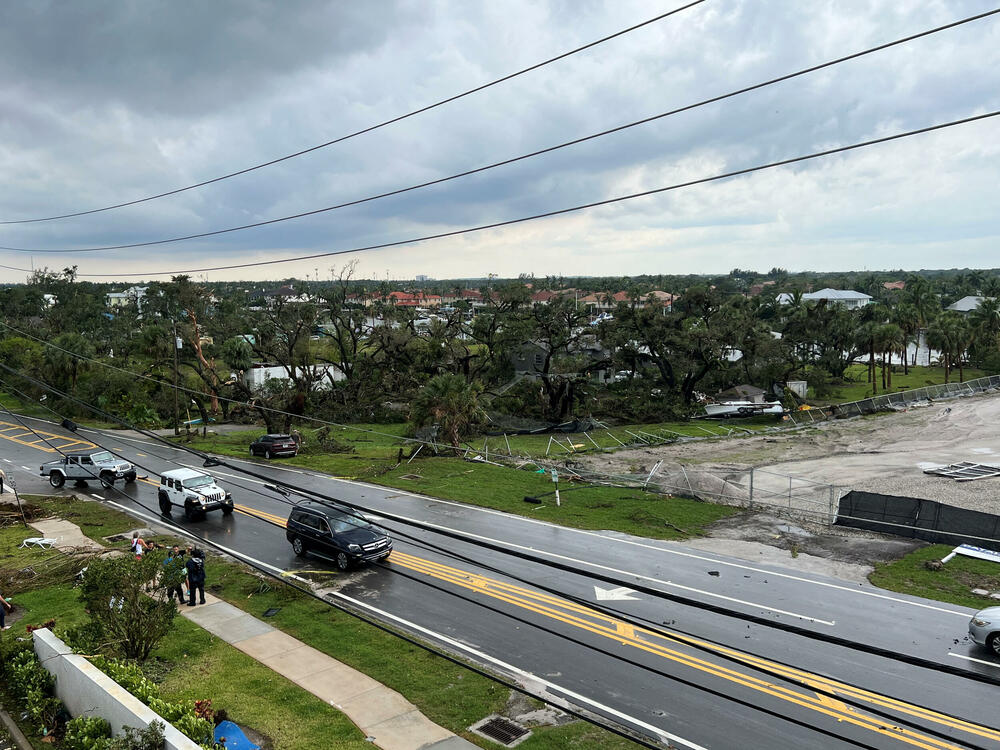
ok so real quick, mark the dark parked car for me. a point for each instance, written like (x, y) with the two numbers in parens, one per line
(274, 445)
(346, 538)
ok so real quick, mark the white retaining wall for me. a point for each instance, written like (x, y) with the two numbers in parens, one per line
(87, 691)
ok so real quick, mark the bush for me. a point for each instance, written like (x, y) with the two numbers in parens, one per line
(150, 738)
(87, 733)
(33, 686)
(183, 716)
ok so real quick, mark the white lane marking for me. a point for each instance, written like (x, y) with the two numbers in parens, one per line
(668, 550)
(96, 496)
(691, 555)
(527, 676)
(26, 468)
(133, 440)
(7, 460)
(619, 571)
(224, 474)
(978, 661)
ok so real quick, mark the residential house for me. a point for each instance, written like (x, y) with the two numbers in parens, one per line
(967, 305)
(894, 286)
(133, 296)
(844, 297)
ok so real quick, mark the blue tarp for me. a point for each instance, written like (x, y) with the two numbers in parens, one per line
(231, 737)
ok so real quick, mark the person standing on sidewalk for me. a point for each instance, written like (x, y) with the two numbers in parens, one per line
(196, 576)
(176, 570)
(139, 545)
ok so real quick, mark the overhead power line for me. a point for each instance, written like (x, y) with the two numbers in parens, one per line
(522, 157)
(539, 559)
(368, 129)
(533, 217)
(579, 713)
(686, 638)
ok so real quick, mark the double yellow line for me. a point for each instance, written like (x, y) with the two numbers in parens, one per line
(661, 644)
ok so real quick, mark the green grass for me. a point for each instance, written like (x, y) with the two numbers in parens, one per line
(953, 583)
(500, 488)
(856, 386)
(201, 666)
(193, 664)
(448, 694)
(94, 518)
(197, 665)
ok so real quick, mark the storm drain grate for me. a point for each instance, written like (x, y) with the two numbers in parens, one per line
(499, 729)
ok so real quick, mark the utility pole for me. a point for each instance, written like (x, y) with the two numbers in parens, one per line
(177, 427)
(13, 485)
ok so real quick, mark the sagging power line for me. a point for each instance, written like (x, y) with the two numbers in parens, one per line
(523, 157)
(368, 129)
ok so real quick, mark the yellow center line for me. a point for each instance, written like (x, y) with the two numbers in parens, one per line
(561, 610)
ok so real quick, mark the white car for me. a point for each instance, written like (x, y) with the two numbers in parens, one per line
(984, 628)
(193, 490)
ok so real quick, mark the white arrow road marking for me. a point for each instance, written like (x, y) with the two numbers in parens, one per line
(527, 678)
(620, 594)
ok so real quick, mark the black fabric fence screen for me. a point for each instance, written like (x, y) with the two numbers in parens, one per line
(917, 518)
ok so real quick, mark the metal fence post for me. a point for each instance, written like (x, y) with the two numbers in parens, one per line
(831, 517)
(751, 488)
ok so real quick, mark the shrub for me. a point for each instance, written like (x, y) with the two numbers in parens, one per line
(87, 733)
(32, 684)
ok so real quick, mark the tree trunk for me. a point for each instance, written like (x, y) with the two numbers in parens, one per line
(871, 367)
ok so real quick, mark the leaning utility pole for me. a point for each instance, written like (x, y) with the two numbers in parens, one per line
(177, 427)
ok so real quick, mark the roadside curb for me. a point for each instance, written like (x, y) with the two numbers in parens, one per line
(20, 741)
(388, 720)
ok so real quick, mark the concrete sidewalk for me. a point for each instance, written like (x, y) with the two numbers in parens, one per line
(387, 718)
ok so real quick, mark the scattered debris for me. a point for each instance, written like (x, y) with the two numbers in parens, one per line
(965, 471)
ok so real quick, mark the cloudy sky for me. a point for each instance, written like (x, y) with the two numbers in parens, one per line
(112, 100)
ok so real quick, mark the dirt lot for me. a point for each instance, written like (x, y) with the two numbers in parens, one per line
(885, 453)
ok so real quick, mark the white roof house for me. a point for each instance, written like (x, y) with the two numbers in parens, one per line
(967, 304)
(845, 297)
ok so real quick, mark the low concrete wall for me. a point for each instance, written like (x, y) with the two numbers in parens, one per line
(87, 691)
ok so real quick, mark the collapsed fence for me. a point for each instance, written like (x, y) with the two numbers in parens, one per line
(751, 489)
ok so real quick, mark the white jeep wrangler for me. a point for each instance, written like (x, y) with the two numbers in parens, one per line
(193, 490)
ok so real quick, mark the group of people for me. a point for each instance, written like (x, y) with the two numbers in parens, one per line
(192, 560)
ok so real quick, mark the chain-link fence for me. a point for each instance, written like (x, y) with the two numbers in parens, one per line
(901, 399)
(749, 488)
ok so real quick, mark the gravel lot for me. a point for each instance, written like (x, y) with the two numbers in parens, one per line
(885, 453)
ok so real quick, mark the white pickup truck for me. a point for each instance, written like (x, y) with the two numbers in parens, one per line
(88, 465)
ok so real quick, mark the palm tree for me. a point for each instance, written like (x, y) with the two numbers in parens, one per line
(449, 402)
(985, 321)
(906, 317)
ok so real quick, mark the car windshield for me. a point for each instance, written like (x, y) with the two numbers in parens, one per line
(340, 524)
(200, 481)
(101, 456)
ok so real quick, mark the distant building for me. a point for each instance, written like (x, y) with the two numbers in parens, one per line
(844, 297)
(967, 305)
(894, 286)
(132, 296)
(422, 277)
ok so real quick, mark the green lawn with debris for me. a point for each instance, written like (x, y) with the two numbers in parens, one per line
(191, 663)
(953, 583)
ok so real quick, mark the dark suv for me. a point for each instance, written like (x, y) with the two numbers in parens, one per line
(336, 533)
(274, 445)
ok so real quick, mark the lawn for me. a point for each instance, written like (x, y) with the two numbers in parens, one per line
(193, 664)
(190, 663)
(856, 386)
(583, 506)
(953, 583)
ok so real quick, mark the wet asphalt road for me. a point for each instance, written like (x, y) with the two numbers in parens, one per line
(690, 677)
